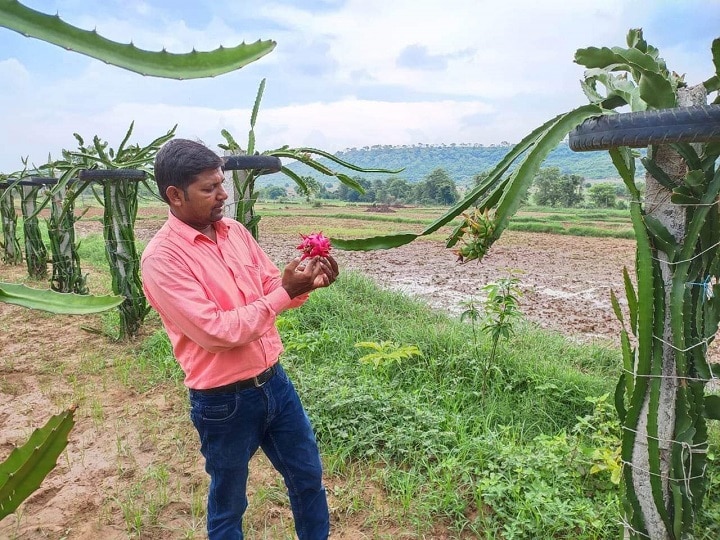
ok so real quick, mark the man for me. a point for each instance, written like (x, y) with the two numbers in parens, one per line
(218, 295)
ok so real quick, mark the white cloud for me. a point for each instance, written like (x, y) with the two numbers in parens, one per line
(332, 126)
(14, 77)
(499, 70)
(517, 46)
(335, 126)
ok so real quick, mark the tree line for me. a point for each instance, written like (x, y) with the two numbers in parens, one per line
(551, 187)
(463, 161)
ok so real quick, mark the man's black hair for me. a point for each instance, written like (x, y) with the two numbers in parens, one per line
(179, 161)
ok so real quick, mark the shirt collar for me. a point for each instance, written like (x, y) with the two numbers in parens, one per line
(189, 234)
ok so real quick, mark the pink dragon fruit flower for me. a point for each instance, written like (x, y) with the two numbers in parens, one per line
(314, 245)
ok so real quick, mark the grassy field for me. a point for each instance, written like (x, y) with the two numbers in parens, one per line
(364, 220)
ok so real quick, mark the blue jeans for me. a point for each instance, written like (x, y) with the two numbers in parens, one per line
(232, 426)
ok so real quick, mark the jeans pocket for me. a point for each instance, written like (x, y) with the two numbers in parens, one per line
(214, 409)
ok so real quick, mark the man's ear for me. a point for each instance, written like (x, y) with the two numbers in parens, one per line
(175, 195)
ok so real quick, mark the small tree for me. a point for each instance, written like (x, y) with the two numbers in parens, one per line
(436, 188)
(311, 188)
(502, 310)
(274, 192)
(496, 315)
(552, 188)
(397, 189)
(603, 195)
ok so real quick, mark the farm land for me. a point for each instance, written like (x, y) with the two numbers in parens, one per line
(133, 451)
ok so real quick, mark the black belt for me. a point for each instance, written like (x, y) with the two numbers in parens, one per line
(254, 382)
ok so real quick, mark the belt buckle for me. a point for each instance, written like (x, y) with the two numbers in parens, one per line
(256, 379)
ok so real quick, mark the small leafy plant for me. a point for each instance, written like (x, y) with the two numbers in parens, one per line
(502, 309)
(603, 430)
(495, 315)
(386, 353)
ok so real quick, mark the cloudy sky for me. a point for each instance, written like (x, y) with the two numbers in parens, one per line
(345, 73)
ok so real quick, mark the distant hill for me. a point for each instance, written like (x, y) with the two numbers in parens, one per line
(461, 161)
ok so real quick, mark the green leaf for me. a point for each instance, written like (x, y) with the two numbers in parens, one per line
(56, 302)
(27, 466)
(689, 154)
(631, 299)
(713, 83)
(375, 242)
(121, 148)
(298, 152)
(628, 354)
(52, 29)
(635, 39)
(664, 241)
(595, 57)
(680, 197)
(712, 407)
(658, 173)
(232, 145)
(256, 108)
(620, 396)
(695, 179)
(657, 91)
(624, 161)
(616, 306)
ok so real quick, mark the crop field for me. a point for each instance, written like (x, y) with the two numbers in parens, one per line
(133, 469)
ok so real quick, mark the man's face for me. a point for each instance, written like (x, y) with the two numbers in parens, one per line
(203, 202)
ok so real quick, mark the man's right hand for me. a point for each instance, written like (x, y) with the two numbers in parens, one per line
(300, 279)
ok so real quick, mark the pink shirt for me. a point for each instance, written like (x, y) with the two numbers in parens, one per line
(217, 301)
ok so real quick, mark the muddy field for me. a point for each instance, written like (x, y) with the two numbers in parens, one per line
(566, 281)
(130, 444)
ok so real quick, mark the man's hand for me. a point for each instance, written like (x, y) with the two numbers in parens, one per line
(316, 272)
(330, 267)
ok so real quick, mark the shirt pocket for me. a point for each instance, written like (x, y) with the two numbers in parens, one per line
(249, 282)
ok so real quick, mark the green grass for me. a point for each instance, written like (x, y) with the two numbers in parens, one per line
(438, 440)
(565, 221)
(493, 463)
(511, 462)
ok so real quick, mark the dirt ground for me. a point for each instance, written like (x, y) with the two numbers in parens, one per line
(119, 452)
(565, 280)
